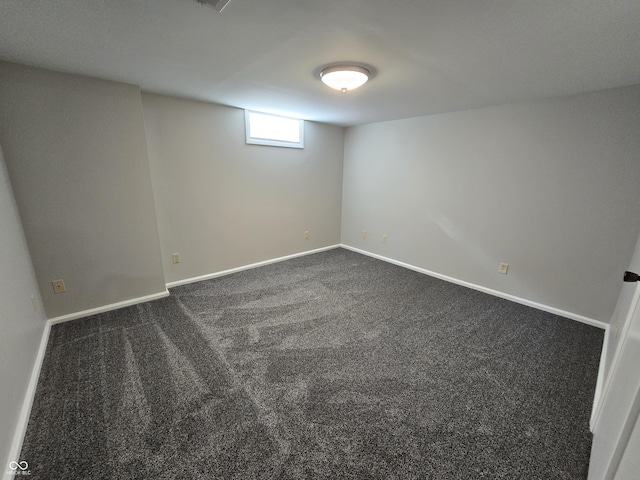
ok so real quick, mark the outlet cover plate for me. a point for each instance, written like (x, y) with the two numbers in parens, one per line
(58, 286)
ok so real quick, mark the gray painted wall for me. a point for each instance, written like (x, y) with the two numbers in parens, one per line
(550, 187)
(21, 325)
(76, 153)
(223, 204)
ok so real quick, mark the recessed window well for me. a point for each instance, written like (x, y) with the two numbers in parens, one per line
(344, 77)
(273, 130)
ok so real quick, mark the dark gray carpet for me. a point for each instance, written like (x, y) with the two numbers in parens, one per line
(334, 365)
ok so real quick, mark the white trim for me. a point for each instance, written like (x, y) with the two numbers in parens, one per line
(635, 303)
(107, 308)
(272, 142)
(597, 395)
(222, 273)
(600, 386)
(27, 403)
(496, 293)
(25, 412)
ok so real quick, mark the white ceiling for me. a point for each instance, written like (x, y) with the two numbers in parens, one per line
(429, 56)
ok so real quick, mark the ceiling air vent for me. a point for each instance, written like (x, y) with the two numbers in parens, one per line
(217, 4)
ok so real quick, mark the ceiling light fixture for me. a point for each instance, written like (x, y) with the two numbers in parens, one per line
(217, 4)
(344, 77)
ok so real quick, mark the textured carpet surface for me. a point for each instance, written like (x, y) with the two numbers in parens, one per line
(333, 365)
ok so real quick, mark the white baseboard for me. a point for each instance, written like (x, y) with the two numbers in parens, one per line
(107, 308)
(25, 411)
(35, 374)
(222, 273)
(490, 291)
(546, 308)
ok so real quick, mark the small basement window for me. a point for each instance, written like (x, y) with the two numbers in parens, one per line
(273, 130)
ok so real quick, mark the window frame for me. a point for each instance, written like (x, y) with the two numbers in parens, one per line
(250, 140)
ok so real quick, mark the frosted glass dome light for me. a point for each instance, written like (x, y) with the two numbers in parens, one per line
(344, 77)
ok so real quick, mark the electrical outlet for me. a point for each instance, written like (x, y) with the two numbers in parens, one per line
(58, 286)
(384, 239)
(364, 234)
(504, 268)
(306, 234)
(34, 303)
(175, 257)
